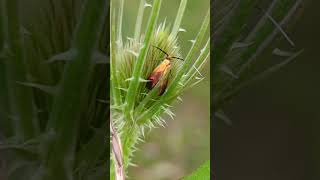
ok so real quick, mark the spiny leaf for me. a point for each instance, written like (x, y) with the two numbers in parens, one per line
(52, 90)
(277, 66)
(280, 52)
(24, 31)
(98, 57)
(64, 56)
(236, 45)
(224, 68)
(280, 29)
(221, 115)
(264, 73)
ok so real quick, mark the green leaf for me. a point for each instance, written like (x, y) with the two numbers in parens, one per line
(202, 173)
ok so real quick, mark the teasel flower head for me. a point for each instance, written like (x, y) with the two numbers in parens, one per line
(135, 105)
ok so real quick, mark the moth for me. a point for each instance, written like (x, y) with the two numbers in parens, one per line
(160, 73)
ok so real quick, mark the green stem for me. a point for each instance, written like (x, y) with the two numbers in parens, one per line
(119, 27)
(116, 95)
(64, 118)
(129, 140)
(2, 35)
(177, 22)
(139, 20)
(22, 108)
(5, 124)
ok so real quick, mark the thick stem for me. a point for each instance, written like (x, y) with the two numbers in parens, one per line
(64, 118)
(139, 20)
(22, 108)
(5, 123)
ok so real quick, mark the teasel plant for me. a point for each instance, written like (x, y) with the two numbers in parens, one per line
(54, 89)
(135, 108)
(244, 33)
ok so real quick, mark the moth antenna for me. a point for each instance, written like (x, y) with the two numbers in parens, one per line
(161, 50)
(178, 58)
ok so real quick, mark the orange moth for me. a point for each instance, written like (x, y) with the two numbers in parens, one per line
(159, 73)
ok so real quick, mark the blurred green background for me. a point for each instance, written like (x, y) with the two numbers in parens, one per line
(275, 131)
(181, 147)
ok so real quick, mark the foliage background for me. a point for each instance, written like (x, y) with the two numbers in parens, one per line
(275, 131)
(181, 147)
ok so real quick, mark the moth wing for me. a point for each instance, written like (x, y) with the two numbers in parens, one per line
(164, 82)
(163, 86)
(155, 76)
